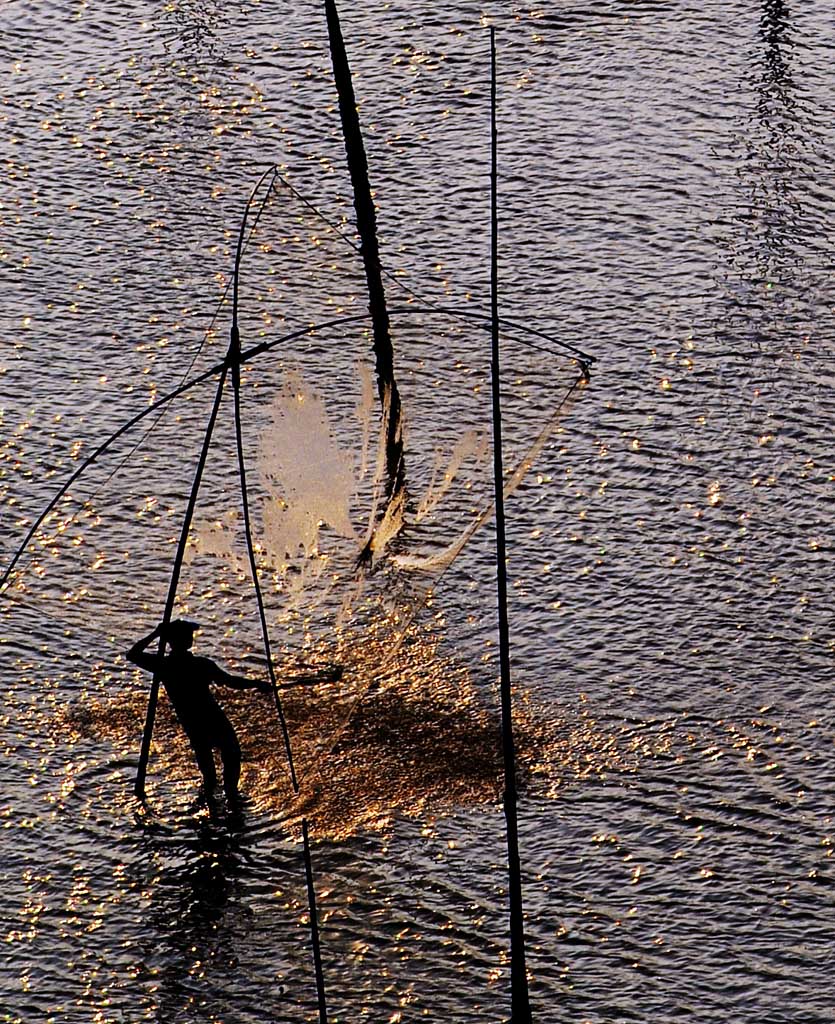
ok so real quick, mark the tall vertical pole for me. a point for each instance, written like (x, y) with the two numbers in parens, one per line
(369, 248)
(234, 358)
(520, 1005)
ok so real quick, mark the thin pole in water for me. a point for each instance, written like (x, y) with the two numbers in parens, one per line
(308, 863)
(234, 357)
(150, 714)
(233, 360)
(520, 1005)
(314, 925)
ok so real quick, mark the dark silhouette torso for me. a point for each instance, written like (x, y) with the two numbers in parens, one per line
(186, 679)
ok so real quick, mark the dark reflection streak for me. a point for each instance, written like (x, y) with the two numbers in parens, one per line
(776, 111)
(775, 196)
(196, 28)
(196, 914)
(765, 257)
(774, 33)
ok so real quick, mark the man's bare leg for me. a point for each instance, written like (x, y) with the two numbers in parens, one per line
(231, 754)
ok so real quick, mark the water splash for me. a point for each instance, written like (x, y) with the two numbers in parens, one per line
(309, 479)
(405, 732)
(321, 507)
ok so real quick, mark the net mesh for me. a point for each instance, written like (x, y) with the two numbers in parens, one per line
(409, 709)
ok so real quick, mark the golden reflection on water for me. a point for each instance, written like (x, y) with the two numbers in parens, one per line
(405, 732)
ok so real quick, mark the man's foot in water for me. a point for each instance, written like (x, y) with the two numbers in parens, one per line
(236, 806)
(206, 798)
(235, 800)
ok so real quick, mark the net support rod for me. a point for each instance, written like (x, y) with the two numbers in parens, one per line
(232, 357)
(311, 892)
(247, 356)
(256, 582)
(145, 750)
(235, 360)
(520, 1005)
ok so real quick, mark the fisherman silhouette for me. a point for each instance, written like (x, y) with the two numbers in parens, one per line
(186, 678)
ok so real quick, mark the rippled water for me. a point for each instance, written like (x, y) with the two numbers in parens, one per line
(666, 204)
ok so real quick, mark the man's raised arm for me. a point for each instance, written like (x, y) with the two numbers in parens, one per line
(139, 656)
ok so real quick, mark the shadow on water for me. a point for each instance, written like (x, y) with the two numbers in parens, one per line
(776, 200)
(770, 272)
(777, 144)
(219, 914)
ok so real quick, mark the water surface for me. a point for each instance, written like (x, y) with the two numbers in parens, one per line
(666, 204)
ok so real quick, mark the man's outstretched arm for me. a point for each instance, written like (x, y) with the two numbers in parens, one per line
(139, 656)
(239, 682)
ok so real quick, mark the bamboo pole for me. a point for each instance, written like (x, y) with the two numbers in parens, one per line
(150, 714)
(520, 1005)
(253, 567)
(370, 251)
(234, 358)
(308, 864)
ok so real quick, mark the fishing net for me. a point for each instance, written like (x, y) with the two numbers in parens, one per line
(389, 589)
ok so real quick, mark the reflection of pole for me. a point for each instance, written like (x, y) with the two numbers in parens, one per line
(520, 1006)
(314, 925)
(369, 248)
